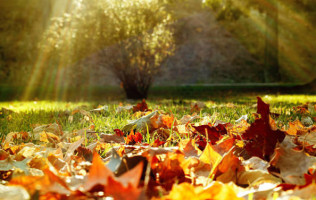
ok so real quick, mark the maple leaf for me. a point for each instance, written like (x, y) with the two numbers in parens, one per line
(118, 132)
(132, 138)
(98, 174)
(260, 138)
(14, 193)
(189, 148)
(292, 164)
(142, 106)
(125, 186)
(140, 124)
(211, 157)
(85, 153)
(169, 171)
(157, 143)
(228, 166)
(309, 179)
(213, 133)
(50, 182)
(296, 128)
(10, 164)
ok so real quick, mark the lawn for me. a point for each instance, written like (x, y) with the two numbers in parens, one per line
(204, 145)
(27, 114)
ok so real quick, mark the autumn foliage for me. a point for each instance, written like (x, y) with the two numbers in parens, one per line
(182, 160)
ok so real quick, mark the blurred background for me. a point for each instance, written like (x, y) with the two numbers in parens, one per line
(75, 49)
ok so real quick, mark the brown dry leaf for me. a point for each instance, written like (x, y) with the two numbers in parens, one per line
(56, 162)
(38, 162)
(51, 128)
(251, 177)
(309, 138)
(188, 118)
(168, 169)
(26, 152)
(13, 193)
(118, 191)
(182, 129)
(10, 137)
(197, 106)
(140, 124)
(108, 138)
(49, 137)
(261, 137)
(239, 128)
(292, 164)
(72, 148)
(308, 192)
(10, 164)
(189, 148)
(256, 163)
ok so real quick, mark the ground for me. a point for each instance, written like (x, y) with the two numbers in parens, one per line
(233, 144)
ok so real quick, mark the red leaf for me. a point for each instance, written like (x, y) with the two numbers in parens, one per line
(118, 132)
(132, 138)
(141, 106)
(138, 137)
(263, 109)
(260, 138)
(157, 143)
(214, 133)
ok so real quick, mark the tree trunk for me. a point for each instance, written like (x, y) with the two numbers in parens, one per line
(135, 92)
(271, 71)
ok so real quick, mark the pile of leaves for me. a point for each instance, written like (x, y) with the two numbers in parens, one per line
(160, 157)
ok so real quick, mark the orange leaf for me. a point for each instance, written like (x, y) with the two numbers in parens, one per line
(295, 127)
(98, 174)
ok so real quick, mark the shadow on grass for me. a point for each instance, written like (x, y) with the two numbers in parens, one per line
(203, 92)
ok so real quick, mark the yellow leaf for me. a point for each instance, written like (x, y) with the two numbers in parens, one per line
(210, 156)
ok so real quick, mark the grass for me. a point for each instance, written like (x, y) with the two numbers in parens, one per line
(27, 114)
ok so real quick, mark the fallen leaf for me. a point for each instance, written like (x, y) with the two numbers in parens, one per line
(109, 138)
(157, 143)
(98, 174)
(50, 128)
(253, 177)
(215, 191)
(140, 124)
(211, 157)
(142, 106)
(132, 138)
(212, 133)
(118, 132)
(260, 140)
(13, 193)
(10, 164)
(292, 164)
(100, 109)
